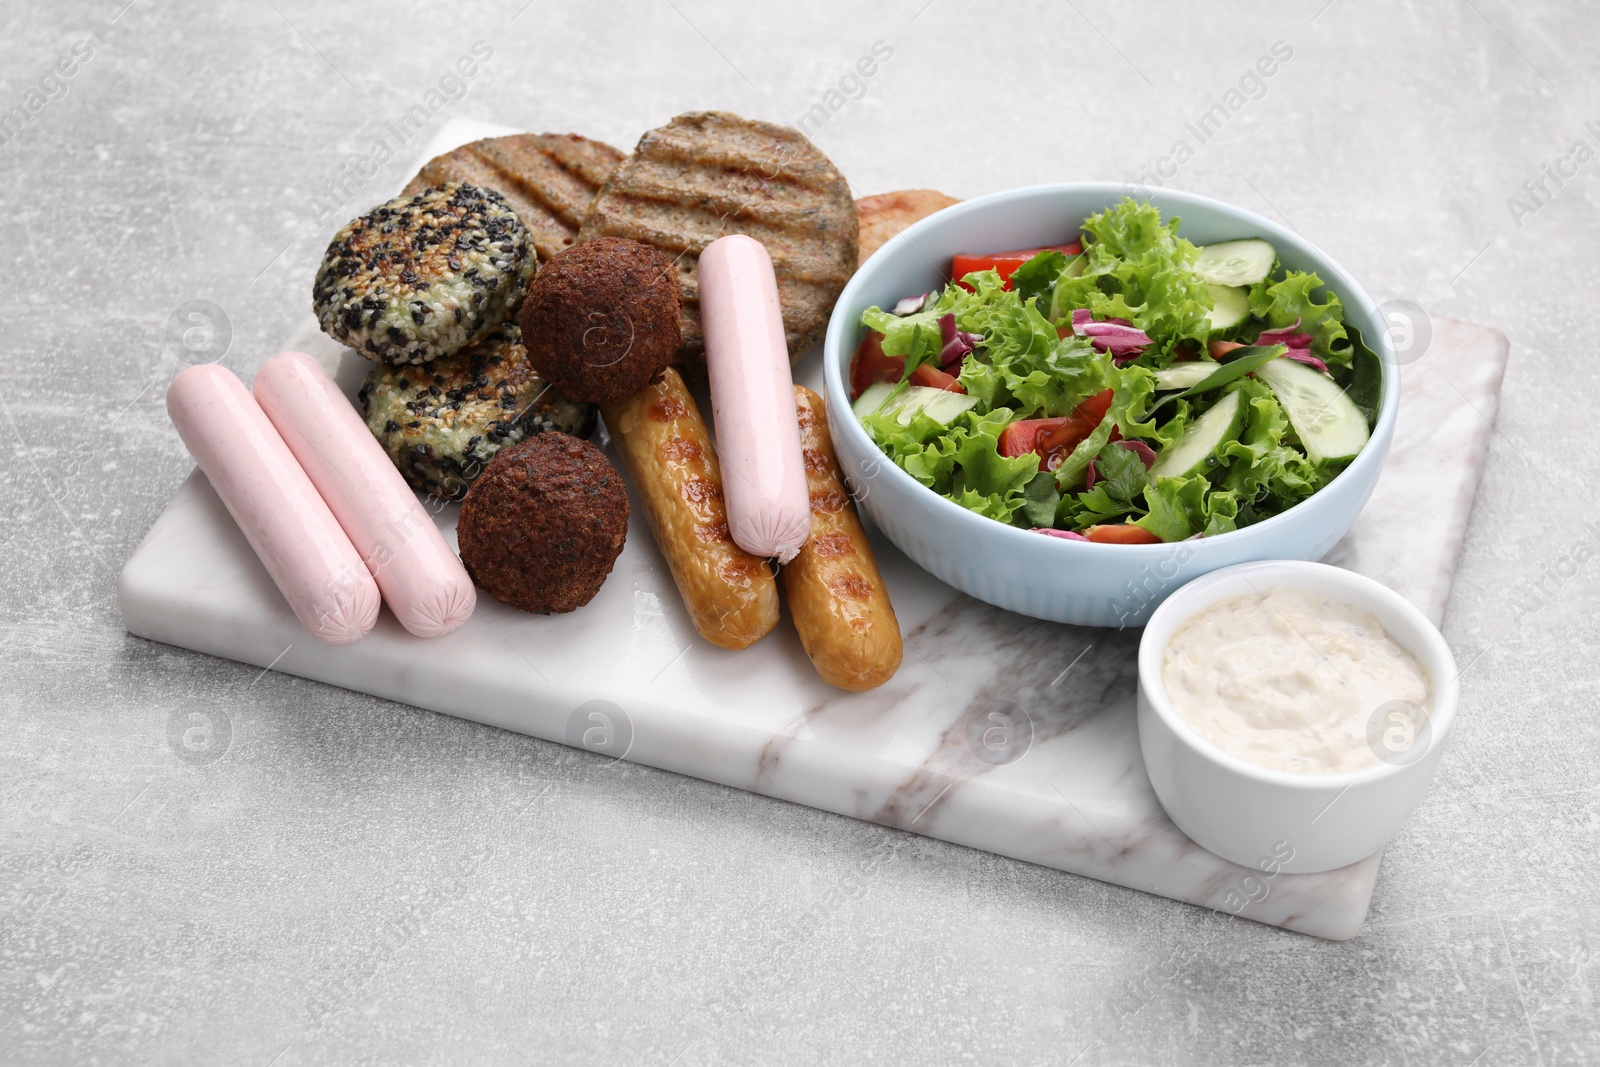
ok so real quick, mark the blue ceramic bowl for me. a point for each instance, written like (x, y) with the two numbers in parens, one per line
(1048, 577)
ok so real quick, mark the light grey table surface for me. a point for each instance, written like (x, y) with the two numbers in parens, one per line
(354, 881)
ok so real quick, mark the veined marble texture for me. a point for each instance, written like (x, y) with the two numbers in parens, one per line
(999, 731)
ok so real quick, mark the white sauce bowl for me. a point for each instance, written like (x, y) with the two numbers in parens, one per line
(1297, 823)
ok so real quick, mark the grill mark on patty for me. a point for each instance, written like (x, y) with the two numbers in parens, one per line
(708, 174)
(550, 179)
(695, 229)
(566, 207)
(777, 161)
(738, 189)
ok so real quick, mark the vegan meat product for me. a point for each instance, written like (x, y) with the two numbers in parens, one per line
(752, 399)
(709, 173)
(419, 576)
(424, 276)
(601, 320)
(278, 510)
(542, 527)
(886, 214)
(547, 178)
(731, 596)
(836, 595)
(441, 422)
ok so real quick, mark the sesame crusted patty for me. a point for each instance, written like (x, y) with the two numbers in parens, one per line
(443, 421)
(424, 276)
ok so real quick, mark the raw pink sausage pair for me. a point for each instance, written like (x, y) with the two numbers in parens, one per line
(328, 514)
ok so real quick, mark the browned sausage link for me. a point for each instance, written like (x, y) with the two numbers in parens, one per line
(836, 595)
(731, 595)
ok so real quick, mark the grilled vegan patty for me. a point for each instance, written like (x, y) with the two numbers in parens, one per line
(886, 214)
(424, 276)
(547, 178)
(441, 423)
(710, 173)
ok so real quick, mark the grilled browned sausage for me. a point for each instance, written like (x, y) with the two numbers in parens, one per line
(731, 595)
(840, 606)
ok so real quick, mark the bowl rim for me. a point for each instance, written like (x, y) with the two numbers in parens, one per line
(842, 319)
(1357, 590)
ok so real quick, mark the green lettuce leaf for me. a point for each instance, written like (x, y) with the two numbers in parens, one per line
(1364, 381)
(1034, 279)
(982, 470)
(1281, 303)
(1183, 507)
(961, 460)
(1136, 267)
(1040, 499)
(1117, 492)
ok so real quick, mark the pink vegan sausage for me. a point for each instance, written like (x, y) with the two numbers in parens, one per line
(421, 579)
(752, 399)
(300, 543)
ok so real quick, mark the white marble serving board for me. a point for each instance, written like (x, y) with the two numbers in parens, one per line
(627, 675)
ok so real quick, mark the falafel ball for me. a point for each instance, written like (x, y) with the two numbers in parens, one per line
(424, 276)
(600, 321)
(441, 422)
(542, 526)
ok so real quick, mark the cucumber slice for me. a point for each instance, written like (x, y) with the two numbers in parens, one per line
(1326, 420)
(1235, 262)
(1183, 375)
(940, 405)
(872, 398)
(1193, 451)
(1230, 305)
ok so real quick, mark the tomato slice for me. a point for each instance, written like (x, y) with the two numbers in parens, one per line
(1121, 533)
(1054, 439)
(1095, 407)
(871, 365)
(1018, 438)
(934, 378)
(1005, 263)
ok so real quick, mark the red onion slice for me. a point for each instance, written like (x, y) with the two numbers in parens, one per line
(1065, 535)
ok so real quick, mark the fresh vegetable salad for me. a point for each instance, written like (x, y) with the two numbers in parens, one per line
(1128, 388)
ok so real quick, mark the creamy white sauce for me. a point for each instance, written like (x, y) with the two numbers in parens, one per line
(1289, 680)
